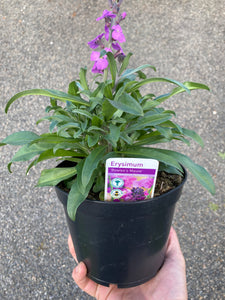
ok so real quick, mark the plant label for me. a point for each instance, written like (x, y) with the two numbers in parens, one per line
(130, 179)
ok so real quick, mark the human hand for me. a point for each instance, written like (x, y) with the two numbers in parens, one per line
(168, 284)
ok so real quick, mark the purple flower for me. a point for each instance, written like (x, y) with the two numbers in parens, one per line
(106, 14)
(117, 34)
(117, 47)
(95, 43)
(106, 32)
(123, 15)
(101, 63)
(95, 55)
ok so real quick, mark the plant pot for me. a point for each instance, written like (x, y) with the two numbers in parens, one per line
(122, 243)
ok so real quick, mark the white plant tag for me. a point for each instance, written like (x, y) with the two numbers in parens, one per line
(130, 179)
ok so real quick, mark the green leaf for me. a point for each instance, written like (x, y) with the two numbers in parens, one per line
(93, 140)
(177, 90)
(196, 86)
(127, 104)
(125, 63)
(171, 124)
(199, 172)
(108, 110)
(53, 125)
(74, 146)
(51, 177)
(96, 121)
(103, 53)
(49, 93)
(155, 79)
(49, 154)
(73, 89)
(75, 198)
(52, 138)
(147, 121)
(20, 138)
(142, 152)
(83, 80)
(192, 134)
(112, 66)
(33, 163)
(27, 152)
(113, 135)
(83, 113)
(94, 128)
(132, 71)
(125, 137)
(166, 132)
(150, 139)
(91, 163)
(99, 185)
(108, 90)
(67, 126)
(78, 193)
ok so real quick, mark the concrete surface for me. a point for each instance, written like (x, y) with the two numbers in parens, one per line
(43, 44)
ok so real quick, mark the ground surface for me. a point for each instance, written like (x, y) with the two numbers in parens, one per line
(43, 44)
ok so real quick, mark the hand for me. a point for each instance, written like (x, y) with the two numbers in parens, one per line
(168, 284)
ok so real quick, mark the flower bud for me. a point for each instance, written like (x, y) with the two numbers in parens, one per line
(121, 57)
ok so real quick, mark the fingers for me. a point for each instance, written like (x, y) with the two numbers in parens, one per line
(80, 273)
(71, 248)
(80, 277)
(173, 249)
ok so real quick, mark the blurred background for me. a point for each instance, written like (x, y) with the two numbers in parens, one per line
(43, 44)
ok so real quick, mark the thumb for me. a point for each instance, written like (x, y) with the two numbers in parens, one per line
(80, 277)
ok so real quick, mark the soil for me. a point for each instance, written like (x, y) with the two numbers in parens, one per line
(164, 183)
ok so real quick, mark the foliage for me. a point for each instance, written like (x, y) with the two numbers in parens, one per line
(108, 118)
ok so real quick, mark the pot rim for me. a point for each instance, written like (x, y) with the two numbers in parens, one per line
(135, 202)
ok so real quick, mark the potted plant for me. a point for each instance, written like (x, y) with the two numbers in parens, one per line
(120, 242)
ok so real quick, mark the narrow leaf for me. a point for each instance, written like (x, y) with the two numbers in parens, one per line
(91, 163)
(51, 177)
(125, 63)
(192, 134)
(49, 154)
(199, 172)
(151, 120)
(151, 140)
(127, 104)
(144, 152)
(73, 89)
(93, 140)
(78, 192)
(83, 112)
(132, 71)
(108, 110)
(160, 99)
(112, 66)
(83, 80)
(113, 135)
(20, 138)
(49, 93)
(27, 152)
(75, 198)
(155, 79)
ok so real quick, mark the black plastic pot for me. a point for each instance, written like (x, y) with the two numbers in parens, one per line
(122, 243)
